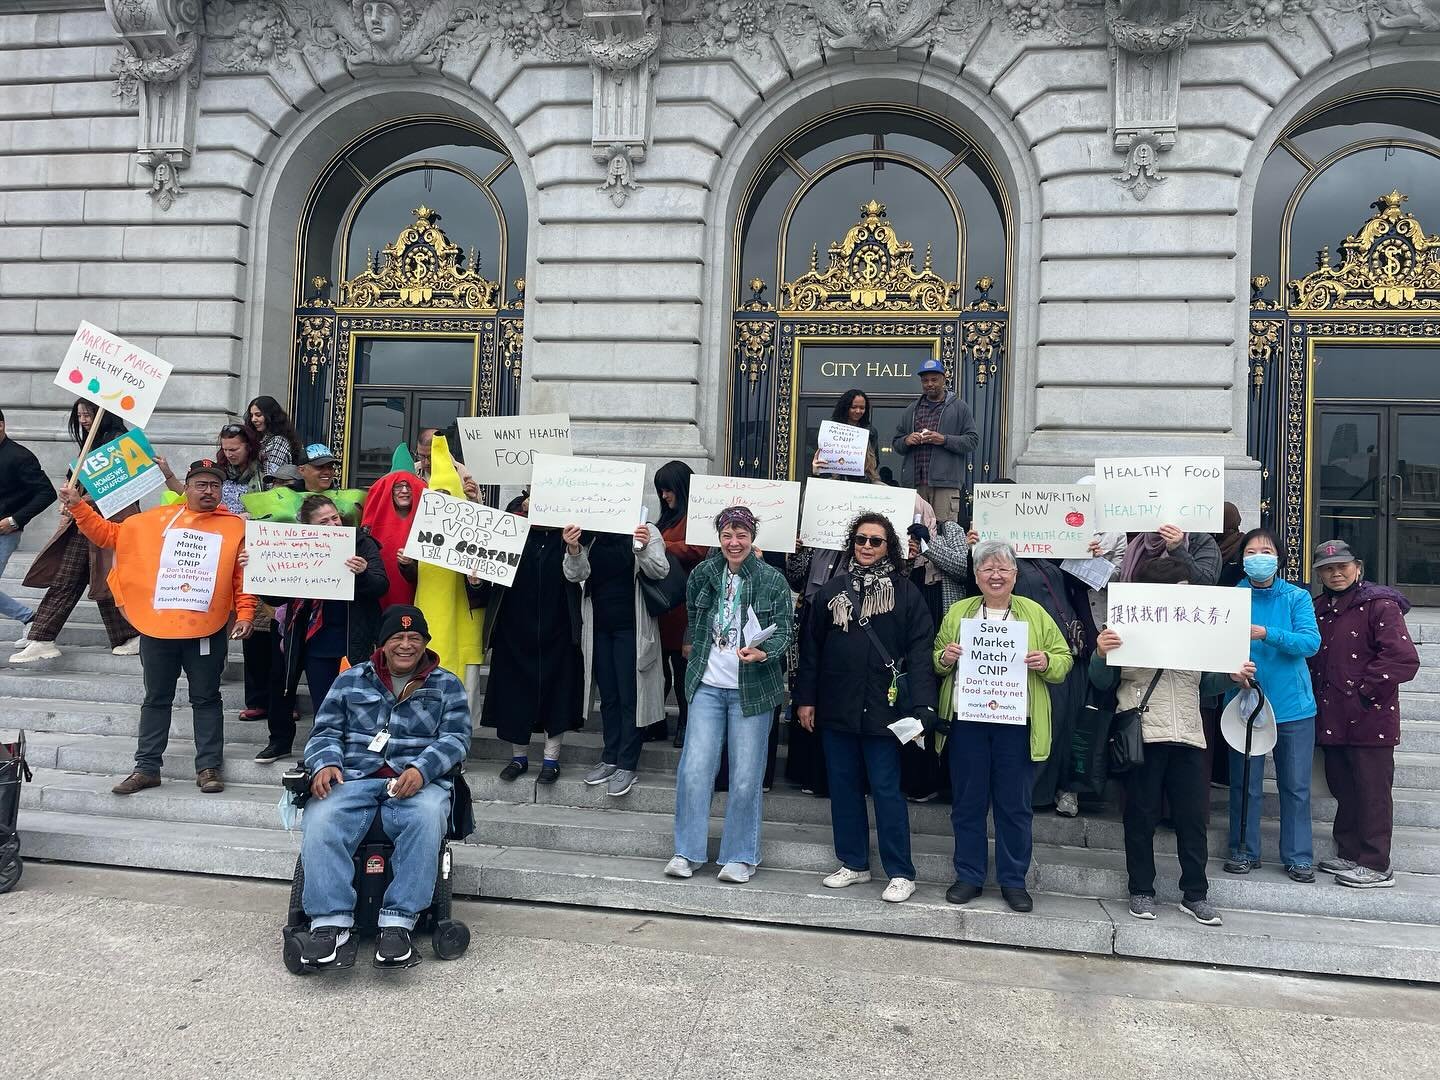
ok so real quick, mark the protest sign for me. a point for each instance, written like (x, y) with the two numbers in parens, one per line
(502, 449)
(189, 565)
(775, 504)
(121, 472)
(467, 537)
(596, 494)
(1139, 494)
(831, 505)
(842, 448)
(299, 561)
(1040, 521)
(113, 374)
(1184, 627)
(1095, 573)
(991, 679)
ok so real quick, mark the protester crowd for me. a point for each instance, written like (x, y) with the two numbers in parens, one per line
(859, 638)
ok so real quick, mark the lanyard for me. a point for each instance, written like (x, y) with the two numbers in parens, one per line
(728, 615)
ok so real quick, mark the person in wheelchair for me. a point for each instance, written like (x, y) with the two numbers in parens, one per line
(384, 739)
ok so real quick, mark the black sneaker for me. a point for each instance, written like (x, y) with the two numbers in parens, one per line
(962, 892)
(514, 770)
(392, 946)
(322, 946)
(273, 752)
(549, 772)
(1305, 875)
(1018, 899)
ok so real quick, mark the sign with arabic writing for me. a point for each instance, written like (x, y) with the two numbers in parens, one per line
(831, 505)
(775, 504)
(596, 494)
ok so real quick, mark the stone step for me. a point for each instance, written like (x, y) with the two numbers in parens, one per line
(1072, 924)
(34, 682)
(1417, 808)
(1413, 769)
(99, 660)
(1419, 706)
(1427, 680)
(77, 632)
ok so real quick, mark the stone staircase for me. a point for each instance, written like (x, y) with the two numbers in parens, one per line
(572, 844)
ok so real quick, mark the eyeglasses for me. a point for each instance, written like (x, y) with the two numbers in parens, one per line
(870, 541)
(232, 431)
(997, 571)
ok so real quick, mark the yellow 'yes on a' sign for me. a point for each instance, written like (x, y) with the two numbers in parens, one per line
(121, 472)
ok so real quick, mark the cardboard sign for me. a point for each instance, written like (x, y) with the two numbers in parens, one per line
(189, 565)
(842, 448)
(502, 449)
(831, 505)
(775, 504)
(1040, 521)
(596, 494)
(110, 372)
(991, 679)
(467, 537)
(121, 472)
(1139, 494)
(1184, 627)
(299, 561)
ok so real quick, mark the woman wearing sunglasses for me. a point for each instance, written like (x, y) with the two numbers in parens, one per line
(864, 650)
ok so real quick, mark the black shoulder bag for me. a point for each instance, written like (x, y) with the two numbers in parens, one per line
(1127, 741)
(667, 593)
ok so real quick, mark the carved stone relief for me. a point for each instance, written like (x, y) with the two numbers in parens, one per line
(622, 38)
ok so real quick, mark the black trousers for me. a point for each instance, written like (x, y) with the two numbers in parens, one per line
(614, 665)
(256, 649)
(161, 662)
(1176, 774)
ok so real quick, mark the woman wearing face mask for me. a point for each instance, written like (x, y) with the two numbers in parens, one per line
(734, 688)
(1283, 635)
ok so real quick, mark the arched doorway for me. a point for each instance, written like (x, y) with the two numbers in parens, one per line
(401, 323)
(868, 220)
(1345, 365)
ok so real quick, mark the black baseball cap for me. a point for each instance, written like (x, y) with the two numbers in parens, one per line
(205, 467)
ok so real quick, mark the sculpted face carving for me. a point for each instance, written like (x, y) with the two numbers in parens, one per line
(381, 23)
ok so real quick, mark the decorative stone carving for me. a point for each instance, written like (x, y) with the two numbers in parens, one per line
(157, 69)
(1406, 14)
(873, 25)
(1147, 38)
(622, 38)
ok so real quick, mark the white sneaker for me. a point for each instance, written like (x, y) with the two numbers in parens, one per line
(130, 648)
(737, 873)
(24, 638)
(1067, 804)
(899, 890)
(680, 867)
(36, 650)
(845, 876)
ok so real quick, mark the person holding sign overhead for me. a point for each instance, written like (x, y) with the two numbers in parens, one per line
(935, 436)
(992, 765)
(740, 615)
(178, 578)
(865, 643)
(69, 561)
(621, 642)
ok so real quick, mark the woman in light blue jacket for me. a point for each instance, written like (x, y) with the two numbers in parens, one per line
(1283, 635)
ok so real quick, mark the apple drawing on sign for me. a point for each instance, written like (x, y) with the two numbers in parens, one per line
(1075, 519)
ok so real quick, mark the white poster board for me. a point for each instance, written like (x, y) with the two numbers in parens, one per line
(831, 505)
(991, 679)
(189, 566)
(1184, 627)
(596, 494)
(1040, 521)
(1139, 494)
(842, 448)
(469, 538)
(775, 504)
(108, 371)
(300, 561)
(502, 449)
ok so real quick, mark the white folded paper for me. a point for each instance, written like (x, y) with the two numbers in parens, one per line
(908, 729)
(754, 636)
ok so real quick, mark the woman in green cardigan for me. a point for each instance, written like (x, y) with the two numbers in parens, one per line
(992, 766)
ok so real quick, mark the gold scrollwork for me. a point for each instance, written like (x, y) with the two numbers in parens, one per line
(1258, 284)
(1264, 343)
(870, 270)
(421, 269)
(512, 346)
(314, 341)
(1390, 265)
(757, 301)
(982, 338)
(755, 344)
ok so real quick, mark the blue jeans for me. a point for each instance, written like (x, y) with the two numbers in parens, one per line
(10, 608)
(990, 768)
(714, 720)
(334, 827)
(849, 760)
(1294, 761)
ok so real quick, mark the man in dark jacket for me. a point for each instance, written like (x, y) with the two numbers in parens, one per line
(24, 493)
(935, 436)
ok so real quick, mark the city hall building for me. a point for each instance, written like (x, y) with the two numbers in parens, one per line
(1188, 226)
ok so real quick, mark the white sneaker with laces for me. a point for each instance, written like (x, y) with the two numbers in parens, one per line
(1066, 804)
(898, 891)
(130, 648)
(737, 873)
(680, 867)
(845, 876)
(24, 638)
(36, 650)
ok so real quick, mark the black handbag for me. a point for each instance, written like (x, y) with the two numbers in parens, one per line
(667, 593)
(1127, 741)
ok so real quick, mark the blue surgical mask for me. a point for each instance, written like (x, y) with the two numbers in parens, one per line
(1261, 567)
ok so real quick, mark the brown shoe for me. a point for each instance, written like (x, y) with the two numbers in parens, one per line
(136, 781)
(208, 781)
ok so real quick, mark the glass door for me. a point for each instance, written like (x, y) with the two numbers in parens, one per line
(1414, 497)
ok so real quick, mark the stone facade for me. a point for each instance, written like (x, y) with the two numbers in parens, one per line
(157, 155)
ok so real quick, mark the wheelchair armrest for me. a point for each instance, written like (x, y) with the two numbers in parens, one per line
(296, 780)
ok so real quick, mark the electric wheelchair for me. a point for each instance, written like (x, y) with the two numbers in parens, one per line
(449, 936)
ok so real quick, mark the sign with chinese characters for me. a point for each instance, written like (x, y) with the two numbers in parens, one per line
(1139, 494)
(991, 679)
(121, 472)
(502, 449)
(299, 561)
(470, 538)
(1040, 521)
(596, 494)
(775, 504)
(1182, 627)
(110, 372)
(831, 505)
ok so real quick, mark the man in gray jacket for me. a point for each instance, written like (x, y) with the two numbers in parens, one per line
(934, 437)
